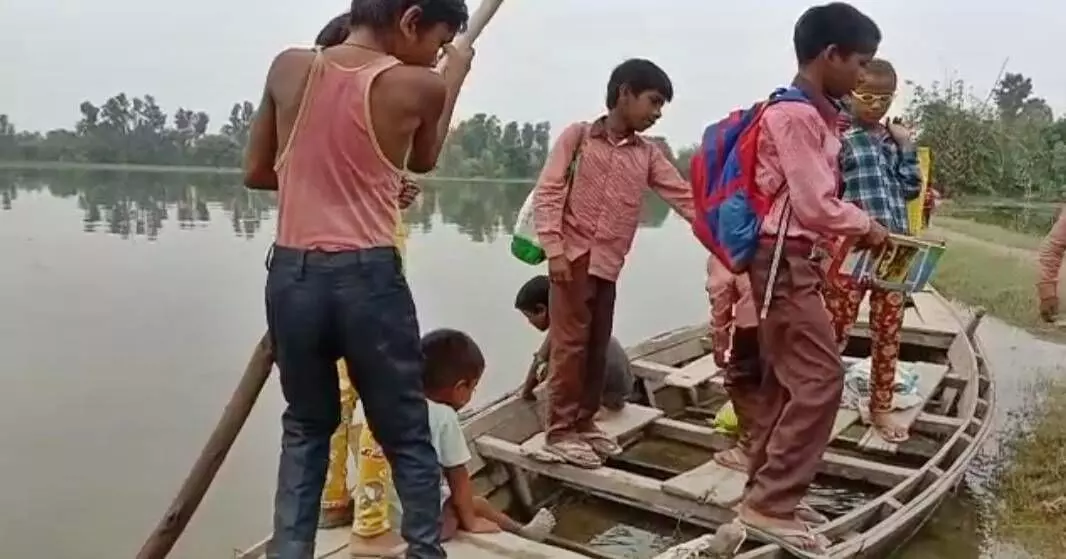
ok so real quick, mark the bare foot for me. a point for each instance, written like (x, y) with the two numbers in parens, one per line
(888, 428)
(389, 544)
(734, 458)
(540, 527)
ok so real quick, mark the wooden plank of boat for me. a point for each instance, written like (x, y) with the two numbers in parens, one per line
(618, 485)
(687, 377)
(333, 544)
(709, 483)
(504, 545)
(833, 463)
(617, 425)
(930, 314)
(929, 377)
(694, 373)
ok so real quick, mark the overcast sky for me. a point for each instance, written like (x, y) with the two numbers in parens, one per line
(538, 60)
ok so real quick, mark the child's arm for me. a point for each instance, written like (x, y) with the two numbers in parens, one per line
(453, 455)
(549, 193)
(722, 292)
(532, 381)
(463, 501)
(667, 182)
(437, 96)
(907, 170)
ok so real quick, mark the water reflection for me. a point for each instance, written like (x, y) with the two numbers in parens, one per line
(139, 204)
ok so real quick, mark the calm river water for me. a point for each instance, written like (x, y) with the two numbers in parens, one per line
(131, 303)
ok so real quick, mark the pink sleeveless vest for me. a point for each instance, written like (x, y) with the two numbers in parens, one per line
(336, 189)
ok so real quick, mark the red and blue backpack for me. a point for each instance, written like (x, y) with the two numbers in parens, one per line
(730, 208)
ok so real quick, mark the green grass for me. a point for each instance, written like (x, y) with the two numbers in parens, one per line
(1032, 491)
(994, 268)
(988, 233)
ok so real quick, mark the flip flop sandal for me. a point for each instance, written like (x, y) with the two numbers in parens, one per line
(390, 547)
(806, 514)
(728, 459)
(891, 434)
(576, 452)
(785, 538)
(728, 540)
(601, 444)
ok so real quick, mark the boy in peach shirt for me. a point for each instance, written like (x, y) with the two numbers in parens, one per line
(585, 221)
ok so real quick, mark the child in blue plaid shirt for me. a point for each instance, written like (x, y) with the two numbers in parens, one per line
(879, 168)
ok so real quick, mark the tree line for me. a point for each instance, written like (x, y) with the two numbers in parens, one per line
(1005, 143)
(136, 130)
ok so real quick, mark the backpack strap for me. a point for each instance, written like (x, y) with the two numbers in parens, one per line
(790, 94)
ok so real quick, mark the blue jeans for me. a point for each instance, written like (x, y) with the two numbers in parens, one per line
(356, 305)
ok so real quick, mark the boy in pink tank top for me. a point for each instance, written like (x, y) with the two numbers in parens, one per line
(334, 132)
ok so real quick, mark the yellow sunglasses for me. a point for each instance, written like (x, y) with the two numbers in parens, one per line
(871, 98)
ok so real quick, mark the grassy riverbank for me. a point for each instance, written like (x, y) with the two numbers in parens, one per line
(995, 268)
(1031, 513)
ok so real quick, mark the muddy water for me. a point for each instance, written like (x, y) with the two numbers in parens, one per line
(132, 300)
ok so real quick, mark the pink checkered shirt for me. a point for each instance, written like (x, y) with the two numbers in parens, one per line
(601, 214)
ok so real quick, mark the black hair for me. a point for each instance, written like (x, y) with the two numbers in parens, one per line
(882, 67)
(836, 24)
(335, 32)
(639, 75)
(451, 356)
(533, 294)
(380, 14)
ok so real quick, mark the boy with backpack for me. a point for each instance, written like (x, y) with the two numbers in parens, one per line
(767, 201)
(879, 164)
(585, 221)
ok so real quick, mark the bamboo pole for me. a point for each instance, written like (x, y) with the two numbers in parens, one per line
(162, 539)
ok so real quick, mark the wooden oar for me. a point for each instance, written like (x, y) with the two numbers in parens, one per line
(202, 474)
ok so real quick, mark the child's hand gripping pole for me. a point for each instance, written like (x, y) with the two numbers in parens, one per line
(478, 21)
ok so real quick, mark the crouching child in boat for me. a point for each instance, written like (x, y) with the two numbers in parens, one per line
(453, 367)
(585, 221)
(532, 302)
(879, 167)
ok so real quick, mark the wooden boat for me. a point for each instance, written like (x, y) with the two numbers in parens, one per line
(666, 473)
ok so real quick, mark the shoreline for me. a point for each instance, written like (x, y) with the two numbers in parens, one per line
(193, 169)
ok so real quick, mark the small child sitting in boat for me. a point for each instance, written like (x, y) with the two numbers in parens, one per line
(532, 302)
(453, 366)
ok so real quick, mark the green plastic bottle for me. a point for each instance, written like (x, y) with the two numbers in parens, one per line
(524, 244)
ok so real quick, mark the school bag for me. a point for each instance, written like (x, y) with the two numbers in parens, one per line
(730, 208)
(524, 243)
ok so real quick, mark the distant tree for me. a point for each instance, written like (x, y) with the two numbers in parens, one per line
(136, 130)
